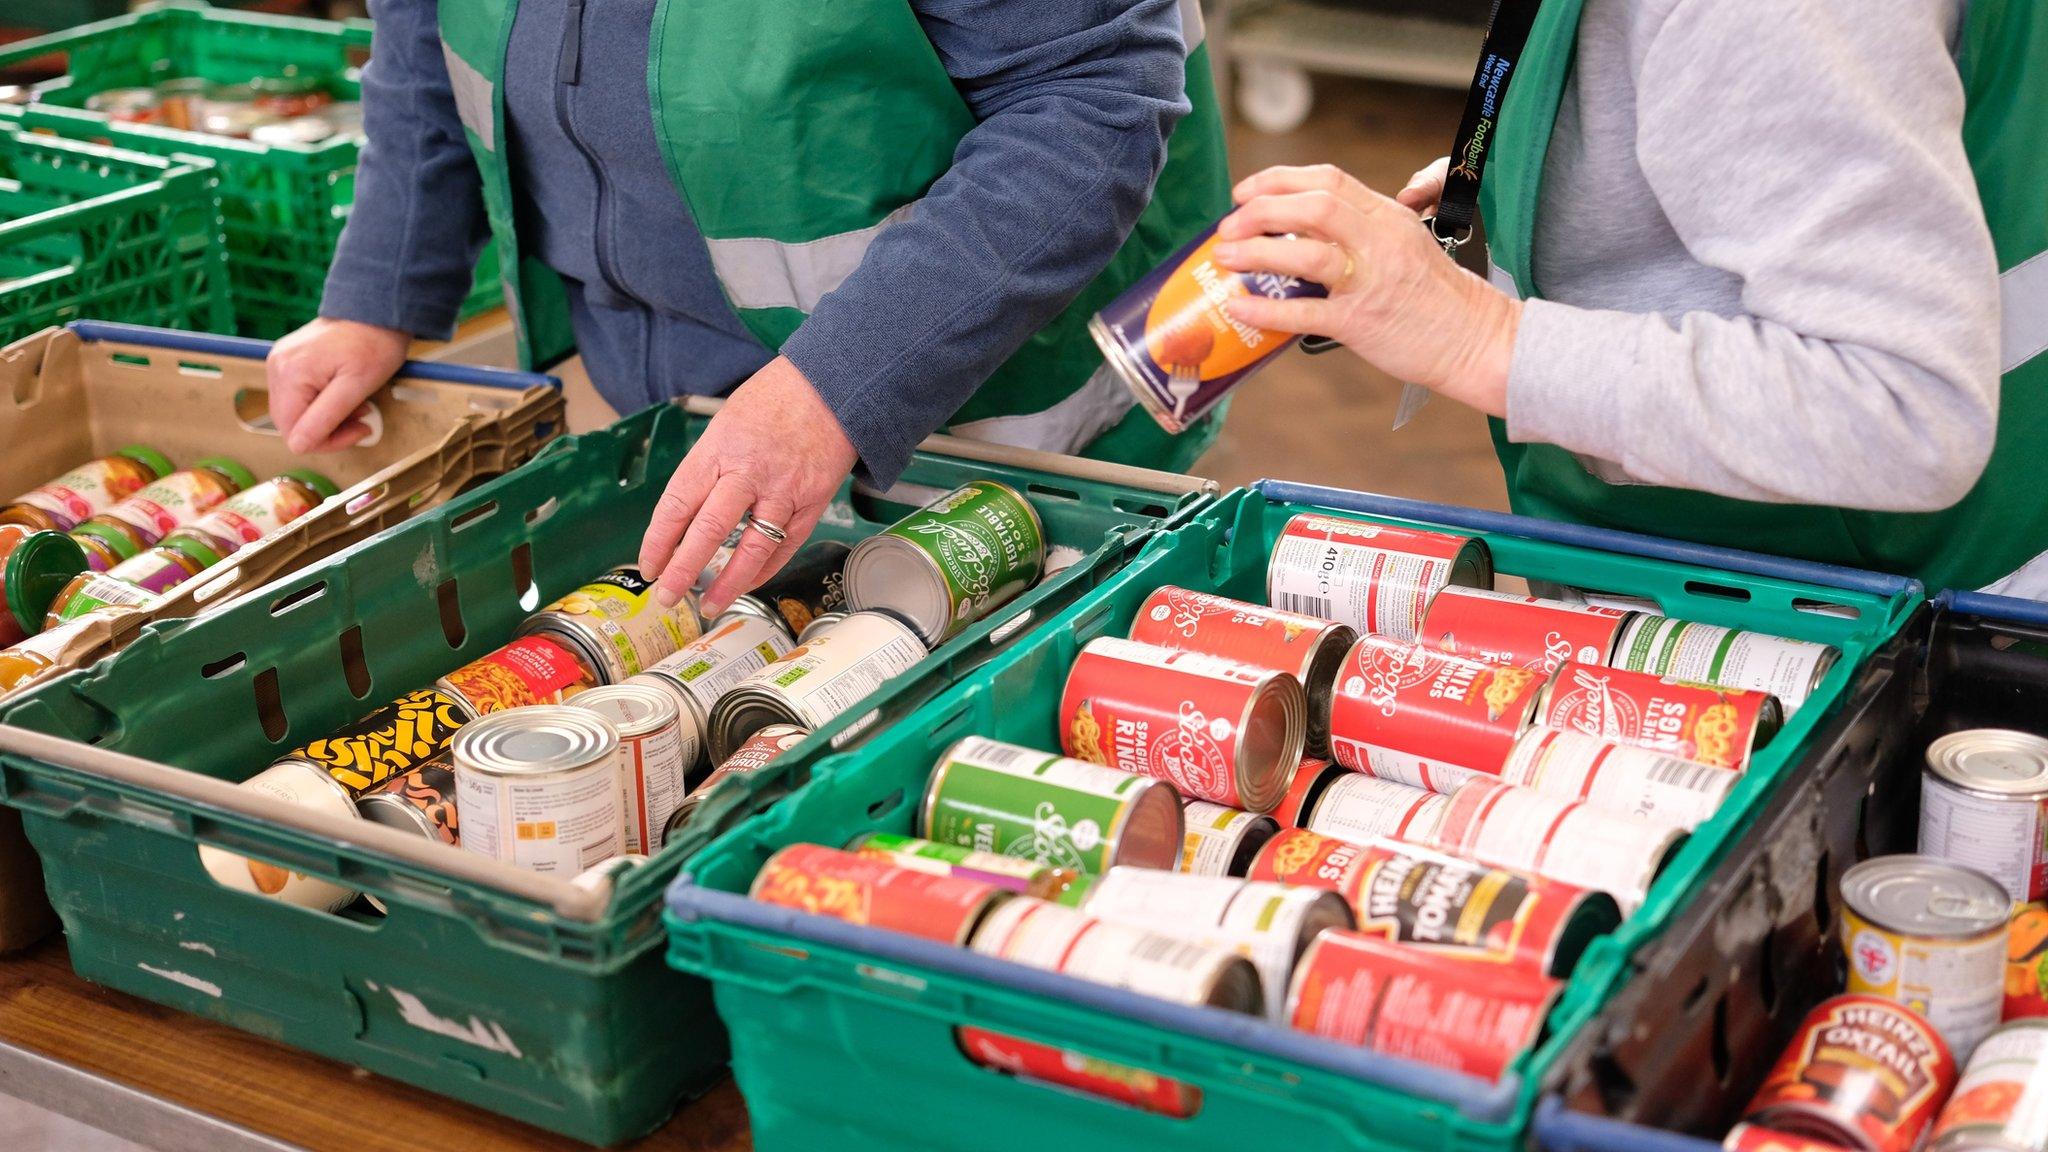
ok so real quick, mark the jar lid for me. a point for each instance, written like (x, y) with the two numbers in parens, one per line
(242, 477)
(39, 568)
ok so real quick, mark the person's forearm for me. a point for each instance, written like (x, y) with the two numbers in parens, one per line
(406, 256)
(1075, 104)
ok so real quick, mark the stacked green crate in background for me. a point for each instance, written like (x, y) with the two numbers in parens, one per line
(284, 204)
(88, 231)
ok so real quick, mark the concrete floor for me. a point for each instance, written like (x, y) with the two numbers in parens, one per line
(1325, 419)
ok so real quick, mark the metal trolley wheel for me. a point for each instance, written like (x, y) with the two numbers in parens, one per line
(1272, 96)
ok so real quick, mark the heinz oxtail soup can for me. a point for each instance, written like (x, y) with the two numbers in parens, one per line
(1170, 341)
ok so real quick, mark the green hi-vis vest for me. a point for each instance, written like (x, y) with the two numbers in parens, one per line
(2003, 522)
(796, 130)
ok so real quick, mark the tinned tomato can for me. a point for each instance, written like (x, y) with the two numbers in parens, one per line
(1520, 631)
(1931, 935)
(1050, 936)
(863, 889)
(393, 740)
(1984, 804)
(2001, 1103)
(1358, 808)
(1020, 802)
(1709, 654)
(1310, 649)
(1425, 718)
(1698, 722)
(1462, 1015)
(1170, 341)
(1215, 729)
(1120, 1083)
(1373, 577)
(1862, 1072)
(530, 670)
(616, 625)
(1571, 842)
(1413, 896)
(1222, 841)
(1619, 778)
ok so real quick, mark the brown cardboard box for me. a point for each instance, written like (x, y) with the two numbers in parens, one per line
(64, 399)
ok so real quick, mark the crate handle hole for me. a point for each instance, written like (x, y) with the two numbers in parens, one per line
(1091, 625)
(1717, 1049)
(476, 515)
(1826, 608)
(130, 359)
(886, 806)
(948, 731)
(1047, 490)
(450, 603)
(1823, 888)
(367, 499)
(1767, 970)
(1717, 591)
(291, 600)
(522, 578)
(200, 368)
(354, 668)
(222, 666)
(270, 706)
(1012, 628)
(543, 510)
(1698, 993)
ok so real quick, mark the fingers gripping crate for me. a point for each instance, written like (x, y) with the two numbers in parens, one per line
(844, 1036)
(92, 232)
(283, 204)
(513, 991)
(1675, 1056)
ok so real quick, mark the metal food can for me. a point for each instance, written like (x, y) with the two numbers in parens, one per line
(1220, 841)
(1750, 1138)
(1413, 896)
(420, 801)
(1058, 939)
(656, 752)
(1428, 719)
(734, 647)
(862, 889)
(1010, 873)
(1373, 577)
(948, 564)
(1932, 936)
(757, 753)
(1709, 654)
(817, 680)
(1169, 340)
(1119, 1083)
(1861, 1072)
(810, 586)
(1468, 1016)
(1520, 631)
(615, 623)
(819, 623)
(1982, 799)
(539, 787)
(1309, 649)
(2026, 964)
(530, 670)
(1360, 808)
(1267, 924)
(2001, 1103)
(1703, 723)
(1509, 827)
(1619, 778)
(1016, 801)
(301, 785)
(393, 740)
(1215, 729)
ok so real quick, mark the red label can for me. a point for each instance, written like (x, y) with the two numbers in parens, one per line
(1120, 1083)
(1463, 1015)
(1410, 895)
(1572, 842)
(1215, 729)
(1373, 577)
(1520, 631)
(1698, 722)
(1307, 648)
(866, 890)
(1425, 718)
(1862, 1072)
(530, 670)
(1750, 1138)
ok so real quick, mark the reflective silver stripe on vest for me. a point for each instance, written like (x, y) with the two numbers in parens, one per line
(474, 102)
(1192, 30)
(1499, 278)
(1067, 426)
(761, 273)
(2023, 294)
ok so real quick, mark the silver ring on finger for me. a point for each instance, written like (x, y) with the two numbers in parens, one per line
(771, 530)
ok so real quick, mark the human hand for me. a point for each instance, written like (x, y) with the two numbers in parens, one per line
(320, 377)
(776, 450)
(1425, 188)
(1394, 299)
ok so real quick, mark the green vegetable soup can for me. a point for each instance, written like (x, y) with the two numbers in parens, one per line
(1015, 801)
(950, 563)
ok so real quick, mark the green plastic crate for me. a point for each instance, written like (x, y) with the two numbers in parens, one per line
(284, 204)
(88, 232)
(506, 989)
(843, 1035)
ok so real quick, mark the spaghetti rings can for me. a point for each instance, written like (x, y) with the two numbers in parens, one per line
(950, 563)
(1425, 718)
(1373, 577)
(1521, 631)
(875, 891)
(1932, 936)
(1058, 939)
(1697, 722)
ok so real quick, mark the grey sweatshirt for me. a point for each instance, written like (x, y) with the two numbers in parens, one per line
(1765, 270)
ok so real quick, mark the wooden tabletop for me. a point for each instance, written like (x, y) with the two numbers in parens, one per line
(297, 1098)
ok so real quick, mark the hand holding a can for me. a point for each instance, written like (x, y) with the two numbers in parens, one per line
(1393, 298)
(771, 459)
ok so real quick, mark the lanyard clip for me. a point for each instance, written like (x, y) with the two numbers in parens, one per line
(1454, 241)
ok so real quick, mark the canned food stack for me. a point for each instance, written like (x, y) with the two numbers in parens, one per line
(290, 109)
(598, 730)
